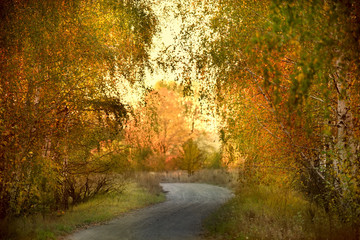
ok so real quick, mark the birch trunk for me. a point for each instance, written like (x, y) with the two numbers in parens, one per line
(344, 140)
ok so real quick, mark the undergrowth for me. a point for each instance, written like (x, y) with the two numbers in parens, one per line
(98, 209)
(268, 212)
(220, 177)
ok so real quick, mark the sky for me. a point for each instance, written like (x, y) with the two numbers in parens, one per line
(171, 21)
(170, 27)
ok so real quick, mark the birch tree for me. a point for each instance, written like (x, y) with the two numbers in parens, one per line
(291, 68)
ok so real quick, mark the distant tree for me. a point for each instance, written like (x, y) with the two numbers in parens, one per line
(160, 126)
(191, 157)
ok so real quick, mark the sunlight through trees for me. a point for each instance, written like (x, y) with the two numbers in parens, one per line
(94, 90)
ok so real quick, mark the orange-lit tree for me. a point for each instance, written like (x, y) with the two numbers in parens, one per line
(56, 91)
(157, 129)
(288, 89)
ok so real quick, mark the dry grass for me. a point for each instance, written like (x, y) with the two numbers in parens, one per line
(149, 181)
(265, 212)
(220, 177)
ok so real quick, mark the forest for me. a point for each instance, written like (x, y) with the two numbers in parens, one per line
(267, 89)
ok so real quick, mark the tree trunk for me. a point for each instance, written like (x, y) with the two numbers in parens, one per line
(344, 162)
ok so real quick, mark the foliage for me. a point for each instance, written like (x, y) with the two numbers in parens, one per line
(99, 209)
(283, 74)
(57, 96)
(213, 160)
(191, 157)
(288, 94)
(157, 129)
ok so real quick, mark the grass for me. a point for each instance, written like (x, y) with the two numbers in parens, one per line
(266, 212)
(97, 210)
(149, 181)
(220, 177)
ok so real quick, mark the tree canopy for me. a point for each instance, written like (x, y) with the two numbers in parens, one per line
(288, 92)
(279, 78)
(57, 94)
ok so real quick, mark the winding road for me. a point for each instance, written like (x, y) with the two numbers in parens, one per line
(179, 217)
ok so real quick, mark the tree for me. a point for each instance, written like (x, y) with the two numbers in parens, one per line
(56, 63)
(330, 73)
(191, 157)
(291, 69)
(158, 126)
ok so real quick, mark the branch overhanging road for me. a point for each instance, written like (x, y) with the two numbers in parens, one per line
(179, 217)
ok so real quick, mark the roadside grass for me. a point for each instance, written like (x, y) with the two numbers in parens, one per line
(97, 210)
(149, 181)
(220, 177)
(268, 212)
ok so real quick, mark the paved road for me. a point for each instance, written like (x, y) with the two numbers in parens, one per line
(179, 217)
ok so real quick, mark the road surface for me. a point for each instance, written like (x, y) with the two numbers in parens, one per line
(178, 218)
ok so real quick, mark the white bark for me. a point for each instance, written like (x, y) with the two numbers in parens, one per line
(345, 147)
(344, 122)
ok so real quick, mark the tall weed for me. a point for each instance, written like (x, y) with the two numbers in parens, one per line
(269, 212)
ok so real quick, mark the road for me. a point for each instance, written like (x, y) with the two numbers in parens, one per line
(179, 217)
